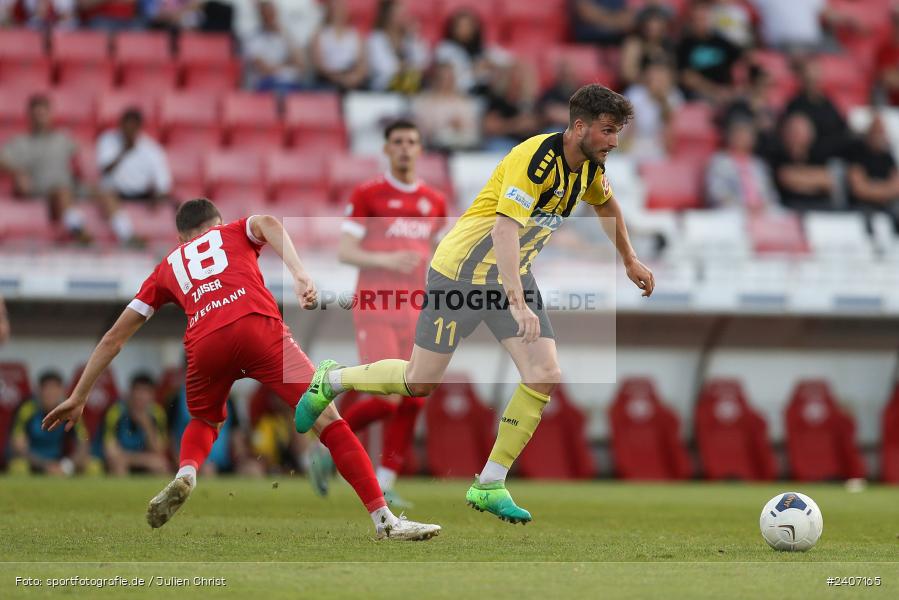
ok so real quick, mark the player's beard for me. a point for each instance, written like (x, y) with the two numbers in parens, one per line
(591, 153)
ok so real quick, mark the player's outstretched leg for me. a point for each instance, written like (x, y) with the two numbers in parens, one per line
(383, 377)
(316, 398)
(354, 465)
(166, 503)
(495, 499)
(196, 443)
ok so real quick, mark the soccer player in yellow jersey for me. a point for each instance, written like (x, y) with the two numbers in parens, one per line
(485, 260)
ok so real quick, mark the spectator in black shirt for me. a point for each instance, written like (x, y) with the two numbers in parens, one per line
(603, 22)
(553, 105)
(511, 117)
(706, 59)
(873, 178)
(830, 127)
(803, 178)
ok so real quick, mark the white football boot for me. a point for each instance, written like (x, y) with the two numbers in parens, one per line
(167, 502)
(404, 529)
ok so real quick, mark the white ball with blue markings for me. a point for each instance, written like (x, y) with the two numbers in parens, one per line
(791, 521)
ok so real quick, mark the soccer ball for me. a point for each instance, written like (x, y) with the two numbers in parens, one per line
(791, 521)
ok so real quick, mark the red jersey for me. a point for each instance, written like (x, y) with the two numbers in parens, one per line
(389, 216)
(214, 277)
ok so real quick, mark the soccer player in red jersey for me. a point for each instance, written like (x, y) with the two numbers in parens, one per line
(234, 330)
(390, 232)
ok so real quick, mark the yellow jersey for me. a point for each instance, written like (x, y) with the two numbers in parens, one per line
(532, 185)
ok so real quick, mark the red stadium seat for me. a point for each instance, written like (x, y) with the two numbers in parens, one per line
(348, 171)
(82, 60)
(186, 166)
(190, 120)
(154, 224)
(142, 48)
(14, 108)
(460, 429)
(22, 46)
(294, 175)
(559, 449)
(541, 23)
(820, 436)
(86, 165)
(424, 14)
(889, 446)
(864, 27)
(784, 83)
(25, 219)
(145, 62)
(843, 81)
(314, 120)
(583, 58)
(251, 121)
(645, 435)
(75, 112)
(433, 172)
(34, 76)
(207, 63)
(732, 437)
(232, 176)
(15, 388)
(672, 184)
(104, 395)
(694, 132)
(777, 233)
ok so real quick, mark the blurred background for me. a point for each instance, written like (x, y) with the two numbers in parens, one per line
(758, 179)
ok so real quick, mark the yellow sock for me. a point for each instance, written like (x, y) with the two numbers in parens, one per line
(518, 424)
(382, 378)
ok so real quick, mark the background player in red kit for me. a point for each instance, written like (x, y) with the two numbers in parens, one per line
(234, 330)
(390, 232)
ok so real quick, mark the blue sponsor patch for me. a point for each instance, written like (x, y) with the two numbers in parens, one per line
(790, 500)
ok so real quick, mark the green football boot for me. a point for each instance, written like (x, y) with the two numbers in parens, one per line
(316, 398)
(495, 499)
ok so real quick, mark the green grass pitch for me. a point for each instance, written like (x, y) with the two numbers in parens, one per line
(588, 540)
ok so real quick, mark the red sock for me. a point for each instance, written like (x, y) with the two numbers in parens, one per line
(365, 412)
(196, 443)
(398, 433)
(353, 463)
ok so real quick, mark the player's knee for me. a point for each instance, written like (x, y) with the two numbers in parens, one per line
(420, 389)
(544, 378)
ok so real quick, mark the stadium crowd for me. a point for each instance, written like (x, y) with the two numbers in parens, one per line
(750, 97)
(139, 432)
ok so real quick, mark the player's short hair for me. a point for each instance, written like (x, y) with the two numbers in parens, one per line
(398, 125)
(593, 100)
(49, 376)
(142, 378)
(194, 213)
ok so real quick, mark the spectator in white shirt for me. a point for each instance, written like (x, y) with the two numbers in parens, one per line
(463, 46)
(337, 50)
(133, 166)
(397, 56)
(655, 99)
(274, 62)
(796, 25)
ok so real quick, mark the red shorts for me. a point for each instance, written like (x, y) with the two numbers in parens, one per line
(378, 339)
(254, 346)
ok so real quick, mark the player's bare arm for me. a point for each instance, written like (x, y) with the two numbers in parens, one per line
(616, 229)
(507, 248)
(268, 229)
(69, 411)
(350, 252)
